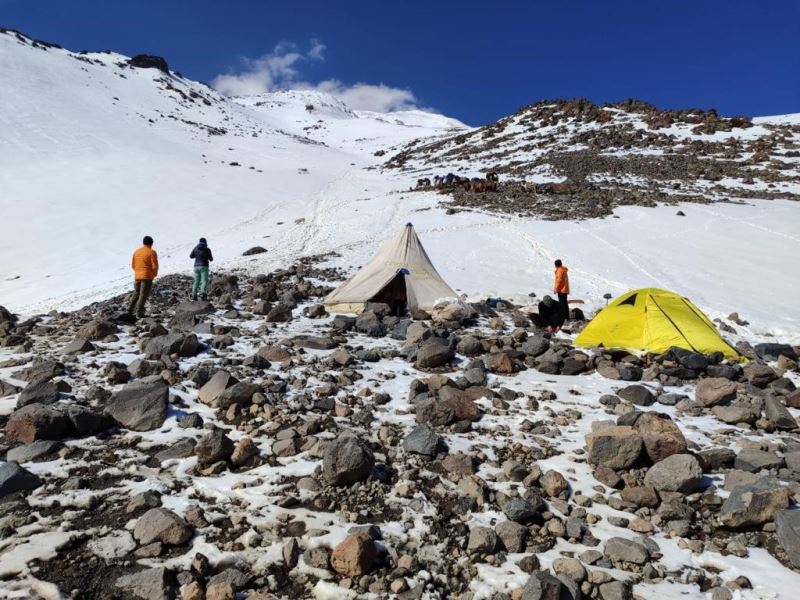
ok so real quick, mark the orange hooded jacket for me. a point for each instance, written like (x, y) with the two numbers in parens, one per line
(562, 281)
(144, 263)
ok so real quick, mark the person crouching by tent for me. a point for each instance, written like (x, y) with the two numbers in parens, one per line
(550, 314)
(202, 257)
(561, 289)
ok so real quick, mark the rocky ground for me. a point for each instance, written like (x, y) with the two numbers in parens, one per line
(257, 447)
(629, 153)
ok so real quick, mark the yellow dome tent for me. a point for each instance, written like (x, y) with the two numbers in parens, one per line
(654, 320)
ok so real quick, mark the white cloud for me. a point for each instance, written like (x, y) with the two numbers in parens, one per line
(366, 96)
(280, 70)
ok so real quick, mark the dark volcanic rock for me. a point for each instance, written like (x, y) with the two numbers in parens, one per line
(147, 61)
(787, 526)
(14, 478)
(347, 460)
(41, 392)
(140, 406)
(422, 440)
(36, 422)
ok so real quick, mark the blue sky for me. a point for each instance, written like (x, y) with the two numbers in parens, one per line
(476, 61)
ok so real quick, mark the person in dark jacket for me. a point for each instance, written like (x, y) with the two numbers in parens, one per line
(550, 314)
(202, 257)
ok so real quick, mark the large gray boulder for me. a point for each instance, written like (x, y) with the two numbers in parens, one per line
(39, 392)
(519, 510)
(535, 345)
(214, 447)
(422, 440)
(140, 406)
(150, 584)
(172, 343)
(162, 525)
(616, 447)
(7, 389)
(621, 550)
(778, 414)
(435, 352)
(714, 390)
(754, 460)
(347, 460)
(541, 585)
(32, 451)
(434, 412)
(14, 478)
(676, 473)
(637, 394)
(660, 435)
(96, 330)
(36, 422)
(213, 388)
(753, 504)
(787, 526)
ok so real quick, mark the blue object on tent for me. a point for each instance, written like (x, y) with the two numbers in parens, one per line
(404, 271)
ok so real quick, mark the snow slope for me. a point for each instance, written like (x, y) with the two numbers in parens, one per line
(94, 154)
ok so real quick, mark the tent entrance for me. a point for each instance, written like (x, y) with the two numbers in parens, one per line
(394, 294)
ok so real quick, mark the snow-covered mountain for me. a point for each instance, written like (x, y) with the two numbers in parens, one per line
(96, 152)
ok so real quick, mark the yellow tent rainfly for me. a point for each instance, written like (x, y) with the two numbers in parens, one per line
(654, 320)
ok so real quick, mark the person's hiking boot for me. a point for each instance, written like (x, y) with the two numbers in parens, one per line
(204, 297)
(194, 298)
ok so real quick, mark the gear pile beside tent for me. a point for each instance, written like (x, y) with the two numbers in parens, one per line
(654, 320)
(401, 272)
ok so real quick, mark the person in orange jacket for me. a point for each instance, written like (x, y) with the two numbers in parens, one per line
(145, 269)
(561, 288)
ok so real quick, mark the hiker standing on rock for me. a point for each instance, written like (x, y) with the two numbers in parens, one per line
(561, 288)
(145, 268)
(202, 256)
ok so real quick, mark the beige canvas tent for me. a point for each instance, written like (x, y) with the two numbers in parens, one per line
(401, 273)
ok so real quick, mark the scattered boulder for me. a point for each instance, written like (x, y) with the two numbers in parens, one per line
(140, 406)
(519, 510)
(676, 473)
(660, 435)
(482, 540)
(620, 550)
(14, 478)
(714, 390)
(753, 504)
(96, 330)
(148, 61)
(32, 451)
(787, 527)
(541, 585)
(162, 525)
(435, 352)
(157, 583)
(36, 422)
(78, 346)
(637, 394)
(354, 556)
(214, 447)
(38, 392)
(422, 440)
(616, 447)
(347, 460)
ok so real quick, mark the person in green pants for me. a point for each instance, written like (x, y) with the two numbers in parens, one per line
(202, 257)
